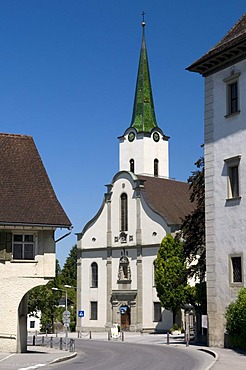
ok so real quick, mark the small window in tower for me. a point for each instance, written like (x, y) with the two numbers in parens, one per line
(156, 165)
(132, 165)
(123, 213)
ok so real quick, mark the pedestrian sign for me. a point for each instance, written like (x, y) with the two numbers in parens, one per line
(81, 313)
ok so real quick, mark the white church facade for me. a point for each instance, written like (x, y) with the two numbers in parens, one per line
(224, 69)
(118, 247)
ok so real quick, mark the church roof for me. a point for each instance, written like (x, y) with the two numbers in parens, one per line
(143, 116)
(26, 194)
(231, 49)
(169, 198)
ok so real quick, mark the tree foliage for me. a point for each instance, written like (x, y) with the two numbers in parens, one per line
(170, 274)
(193, 227)
(236, 320)
(46, 300)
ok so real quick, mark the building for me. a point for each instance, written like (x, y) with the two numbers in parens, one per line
(29, 215)
(118, 247)
(224, 70)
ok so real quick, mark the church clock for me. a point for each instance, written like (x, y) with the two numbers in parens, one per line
(156, 136)
(131, 136)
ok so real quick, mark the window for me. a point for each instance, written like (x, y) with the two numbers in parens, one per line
(132, 165)
(233, 190)
(236, 276)
(94, 275)
(154, 268)
(156, 165)
(232, 85)
(157, 312)
(23, 246)
(93, 310)
(32, 324)
(123, 213)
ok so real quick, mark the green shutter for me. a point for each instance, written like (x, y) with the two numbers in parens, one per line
(5, 246)
(8, 244)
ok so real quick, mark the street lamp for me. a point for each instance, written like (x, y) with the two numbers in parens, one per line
(65, 310)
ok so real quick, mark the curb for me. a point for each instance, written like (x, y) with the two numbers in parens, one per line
(64, 358)
(212, 353)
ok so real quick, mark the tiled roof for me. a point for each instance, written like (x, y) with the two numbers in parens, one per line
(229, 50)
(26, 194)
(169, 198)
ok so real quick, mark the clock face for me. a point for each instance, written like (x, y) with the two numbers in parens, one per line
(156, 136)
(131, 136)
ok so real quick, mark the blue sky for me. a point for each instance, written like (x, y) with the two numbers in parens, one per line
(68, 71)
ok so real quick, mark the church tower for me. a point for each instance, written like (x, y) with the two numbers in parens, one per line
(144, 147)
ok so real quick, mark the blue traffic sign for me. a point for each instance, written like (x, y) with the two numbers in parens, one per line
(81, 313)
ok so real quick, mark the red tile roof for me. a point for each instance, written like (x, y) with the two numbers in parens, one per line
(169, 198)
(26, 194)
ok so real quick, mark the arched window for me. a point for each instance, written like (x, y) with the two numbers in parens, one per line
(154, 268)
(94, 275)
(123, 212)
(132, 165)
(156, 165)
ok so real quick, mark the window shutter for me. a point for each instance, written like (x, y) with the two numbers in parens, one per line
(8, 246)
(5, 246)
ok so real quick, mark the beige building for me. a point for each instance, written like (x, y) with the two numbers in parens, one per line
(29, 215)
(224, 70)
(118, 247)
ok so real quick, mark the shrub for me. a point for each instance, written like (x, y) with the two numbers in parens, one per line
(236, 320)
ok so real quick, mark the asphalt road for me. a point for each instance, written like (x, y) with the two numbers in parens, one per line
(98, 355)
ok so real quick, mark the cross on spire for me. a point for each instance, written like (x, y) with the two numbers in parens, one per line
(143, 22)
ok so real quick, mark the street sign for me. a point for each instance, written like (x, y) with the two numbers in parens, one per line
(81, 313)
(66, 314)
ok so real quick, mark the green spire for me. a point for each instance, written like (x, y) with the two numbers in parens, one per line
(143, 116)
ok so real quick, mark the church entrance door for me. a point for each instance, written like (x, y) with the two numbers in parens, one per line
(125, 318)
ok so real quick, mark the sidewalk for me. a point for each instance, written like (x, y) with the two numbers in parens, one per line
(36, 356)
(221, 359)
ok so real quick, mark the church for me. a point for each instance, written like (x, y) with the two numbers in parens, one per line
(117, 248)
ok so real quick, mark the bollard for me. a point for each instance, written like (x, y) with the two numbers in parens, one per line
(33, 340)
(187, 340)
(61, 344)
(122, 336)
(51, 342)
(168, 337)
(108, 335)
(90, 334)
(42, 341)
(78, 334)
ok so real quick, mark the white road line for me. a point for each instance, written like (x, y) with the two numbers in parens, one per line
(5, 358)
(32, 367)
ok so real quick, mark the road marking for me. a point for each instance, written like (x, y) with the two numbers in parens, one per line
(32, 367)
(5, 358)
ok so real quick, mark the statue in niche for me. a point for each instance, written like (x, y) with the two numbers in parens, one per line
(124, 272)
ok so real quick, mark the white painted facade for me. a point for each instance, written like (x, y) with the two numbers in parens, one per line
(17, 278)
(100, 242)
(225, 138)
(144, 150)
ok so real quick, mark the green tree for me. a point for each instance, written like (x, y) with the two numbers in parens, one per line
(236, 320)
(44, 299)
(69, 277)
(193, 227)
(170, 274)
